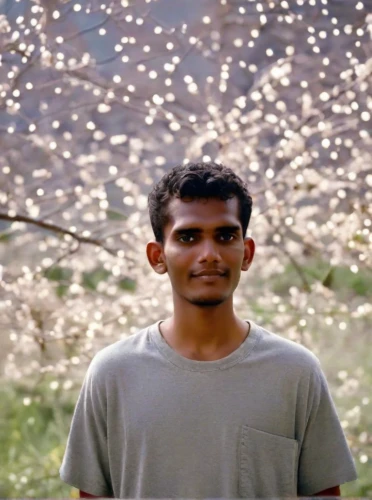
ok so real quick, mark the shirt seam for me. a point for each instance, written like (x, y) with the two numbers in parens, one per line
(204, 370)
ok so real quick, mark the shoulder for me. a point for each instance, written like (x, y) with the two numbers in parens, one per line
(121, 353)
(280, 351)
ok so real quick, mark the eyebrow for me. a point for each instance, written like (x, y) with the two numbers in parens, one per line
(219, 229)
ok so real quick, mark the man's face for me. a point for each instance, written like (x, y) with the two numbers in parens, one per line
(204, 250)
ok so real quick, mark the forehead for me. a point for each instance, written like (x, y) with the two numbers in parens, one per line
(202, 213)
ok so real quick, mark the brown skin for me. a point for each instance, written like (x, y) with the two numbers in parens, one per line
(204, 326)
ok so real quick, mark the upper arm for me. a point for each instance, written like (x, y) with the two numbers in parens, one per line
(325, 457)
(85, 462)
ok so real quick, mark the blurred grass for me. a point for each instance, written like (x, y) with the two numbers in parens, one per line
(32, 440)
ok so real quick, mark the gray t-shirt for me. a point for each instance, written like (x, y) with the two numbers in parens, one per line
(257, 423)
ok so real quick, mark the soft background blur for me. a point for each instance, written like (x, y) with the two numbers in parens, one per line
(97, 100)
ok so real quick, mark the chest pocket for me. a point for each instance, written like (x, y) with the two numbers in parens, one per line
(267, 464)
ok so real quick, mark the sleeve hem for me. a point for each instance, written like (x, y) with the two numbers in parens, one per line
(91, 489)
(329, 482)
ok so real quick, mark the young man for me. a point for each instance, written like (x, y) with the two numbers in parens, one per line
(204, 404)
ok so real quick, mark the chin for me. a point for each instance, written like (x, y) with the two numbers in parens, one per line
(207, 301)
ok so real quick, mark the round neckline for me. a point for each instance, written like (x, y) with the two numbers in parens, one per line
(232, 359)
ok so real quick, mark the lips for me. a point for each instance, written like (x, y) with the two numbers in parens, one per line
(209, 272)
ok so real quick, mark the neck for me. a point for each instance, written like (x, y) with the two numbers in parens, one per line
(204, 333)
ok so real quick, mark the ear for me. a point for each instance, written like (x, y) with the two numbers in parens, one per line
(155, 256)
(249, 249)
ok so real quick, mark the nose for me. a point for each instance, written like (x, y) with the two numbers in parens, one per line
(208, 251)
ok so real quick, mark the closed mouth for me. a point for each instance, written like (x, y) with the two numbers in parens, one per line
(209, 275)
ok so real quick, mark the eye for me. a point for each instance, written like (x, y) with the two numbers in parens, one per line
(186, 238)
(227, 236)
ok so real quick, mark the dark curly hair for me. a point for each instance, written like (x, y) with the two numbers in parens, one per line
(196, 181)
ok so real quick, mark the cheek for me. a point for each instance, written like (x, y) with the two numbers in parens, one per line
(234, 256)
(177, 261)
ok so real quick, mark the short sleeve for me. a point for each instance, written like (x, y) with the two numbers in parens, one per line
(325, 459)
(85, 464)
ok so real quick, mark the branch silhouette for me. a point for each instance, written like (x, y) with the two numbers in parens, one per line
(48, 226)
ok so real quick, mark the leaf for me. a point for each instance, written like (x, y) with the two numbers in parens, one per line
(115, 215)
(360, 286)
(58, 273)
(329, 278)
(127, 284)
(359, 238)
(92, 278)
(5, 237)
(61, 290)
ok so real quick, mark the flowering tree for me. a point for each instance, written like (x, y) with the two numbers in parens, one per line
(98, 100)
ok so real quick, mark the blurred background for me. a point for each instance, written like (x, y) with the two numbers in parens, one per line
(97, 100)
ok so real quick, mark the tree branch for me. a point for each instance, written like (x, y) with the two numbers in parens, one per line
(57, 229)
(296, 265)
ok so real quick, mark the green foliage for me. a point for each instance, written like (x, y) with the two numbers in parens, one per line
(61, 290)
(5, 237)
(337, 278)
(114, 214)
(61, 275)
(361, 488)
(92, 278)
(58, 273)
(127, 284)
(33, 440)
